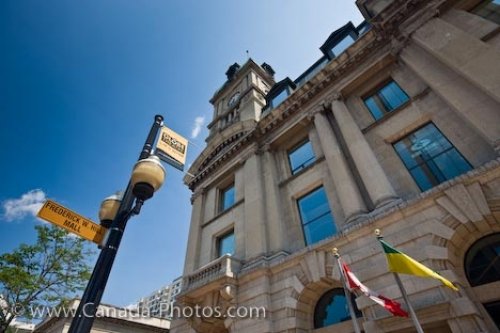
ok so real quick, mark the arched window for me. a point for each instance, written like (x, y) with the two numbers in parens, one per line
(332, 308)
(482, 261)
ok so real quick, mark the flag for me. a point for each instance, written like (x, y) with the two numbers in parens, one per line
(353, 283)
(401, 263)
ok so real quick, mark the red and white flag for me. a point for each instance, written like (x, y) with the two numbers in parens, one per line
(353, 283)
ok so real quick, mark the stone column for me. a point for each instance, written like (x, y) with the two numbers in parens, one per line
(474, 59)
(314, 138)
(255, 217)
(194, 237)
(472, 104)
(276, 227)
(347, 189)
(378, 186)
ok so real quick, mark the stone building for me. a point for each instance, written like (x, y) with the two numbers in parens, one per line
(397, 127)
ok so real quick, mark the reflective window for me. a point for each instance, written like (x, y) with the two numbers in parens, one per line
(227, 198)
(385, 100)
(226, 244)
(301, 156)
(317, 219)
(489, 9)
(342, 45)
(482, 261)
(280, 98)
(332, 308)
(493, 309)
(430, 157)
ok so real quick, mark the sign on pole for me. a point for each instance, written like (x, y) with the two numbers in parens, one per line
(172, 148)
(63, 217)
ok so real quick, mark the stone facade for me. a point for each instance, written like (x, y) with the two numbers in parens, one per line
(445, 58)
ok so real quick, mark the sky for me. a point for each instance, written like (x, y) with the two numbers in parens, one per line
(80, 83)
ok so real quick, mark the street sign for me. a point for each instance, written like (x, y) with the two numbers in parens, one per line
(63, 217)
(172, 148)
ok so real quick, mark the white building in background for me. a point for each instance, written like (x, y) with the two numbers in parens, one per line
(158, 303)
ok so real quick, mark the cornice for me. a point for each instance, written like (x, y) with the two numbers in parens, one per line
(325, 79)
(218, 161)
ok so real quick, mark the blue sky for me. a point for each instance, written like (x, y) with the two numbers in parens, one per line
(81, 81)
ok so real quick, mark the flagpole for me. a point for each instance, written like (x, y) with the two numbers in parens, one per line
(413, 315)
(347, 293)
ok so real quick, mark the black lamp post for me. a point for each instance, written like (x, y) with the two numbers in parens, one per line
(148, 175)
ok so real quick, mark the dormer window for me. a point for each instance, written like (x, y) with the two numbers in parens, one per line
(279, 93)
(339, 41)
(280, 98)
(342, 45)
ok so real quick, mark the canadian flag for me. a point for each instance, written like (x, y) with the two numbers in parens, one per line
(353, 283)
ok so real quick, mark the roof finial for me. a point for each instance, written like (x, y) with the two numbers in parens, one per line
(248, 54)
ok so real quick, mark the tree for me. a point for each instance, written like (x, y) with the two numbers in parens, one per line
(43, 274)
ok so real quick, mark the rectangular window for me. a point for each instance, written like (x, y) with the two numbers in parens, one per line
(430, 158)
(489, 9)
(301, 156)
(226, 198)
(342, 45)
(317, 219)
(385, 100)
(225, 244)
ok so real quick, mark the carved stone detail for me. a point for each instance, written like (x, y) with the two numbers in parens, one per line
(465, 203)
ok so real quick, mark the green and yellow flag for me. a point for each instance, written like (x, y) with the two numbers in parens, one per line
(401, 263)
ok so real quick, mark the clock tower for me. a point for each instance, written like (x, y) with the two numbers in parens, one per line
(242, 97)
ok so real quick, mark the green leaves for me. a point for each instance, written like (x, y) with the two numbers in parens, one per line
(42, 274)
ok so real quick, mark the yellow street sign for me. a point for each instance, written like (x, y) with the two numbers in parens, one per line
(172, 148)
(63, 217)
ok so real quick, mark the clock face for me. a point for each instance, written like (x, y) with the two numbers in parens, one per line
(233, 99)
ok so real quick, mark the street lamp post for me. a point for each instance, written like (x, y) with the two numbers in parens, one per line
(147, 177)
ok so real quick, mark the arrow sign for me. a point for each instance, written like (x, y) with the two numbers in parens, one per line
(63, 217)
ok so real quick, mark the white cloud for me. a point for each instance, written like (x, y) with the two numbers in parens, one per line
(198, 123)
(28, 204)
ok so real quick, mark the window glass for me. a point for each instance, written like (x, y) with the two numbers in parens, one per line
(317, 220)
(375, 110)
(280, 98)
(227, 198)
(385, 100)
(226, 244)
(332, 308)
(430, 157)
(301, 156)
(392, 96)
(493, 309)
(482, 261)
(342, 45)
(489, 9)
(363, 28)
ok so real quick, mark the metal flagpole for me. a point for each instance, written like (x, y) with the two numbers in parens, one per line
(413, 315)
(347, 293)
